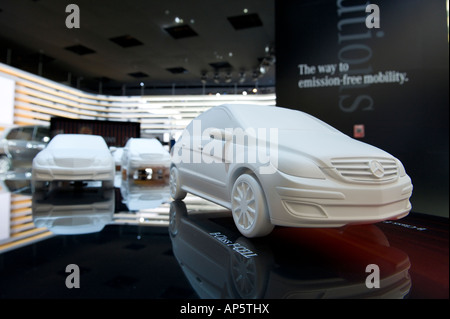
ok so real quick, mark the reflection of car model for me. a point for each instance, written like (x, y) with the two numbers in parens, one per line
(289, 263)
(20, 144)
(143, 196)
(68, 211)
(74, 157)
(276, 166)
(16, 183)
(145, 159)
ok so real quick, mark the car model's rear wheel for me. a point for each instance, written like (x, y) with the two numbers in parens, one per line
(175, 186)
(249, 208)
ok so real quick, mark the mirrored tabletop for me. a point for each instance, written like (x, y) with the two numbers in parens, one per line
(134, 242)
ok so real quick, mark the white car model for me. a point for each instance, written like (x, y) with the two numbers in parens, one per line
(145, 159)
(74, 157)
(276, 166)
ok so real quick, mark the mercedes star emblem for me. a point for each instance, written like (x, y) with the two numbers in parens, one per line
(376, 168)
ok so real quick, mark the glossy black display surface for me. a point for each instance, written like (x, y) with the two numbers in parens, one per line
(198, 253)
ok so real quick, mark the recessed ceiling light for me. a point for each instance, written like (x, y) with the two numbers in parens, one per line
(126, 41)
(138, 75)
(221, 65)
(245, 21)
(80, 49)
(181, 31)
(177, 70)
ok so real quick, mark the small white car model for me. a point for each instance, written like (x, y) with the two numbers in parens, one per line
(145, 159)
(276, 166)
(74, 157)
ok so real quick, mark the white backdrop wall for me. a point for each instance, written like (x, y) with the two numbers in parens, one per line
(37, 99)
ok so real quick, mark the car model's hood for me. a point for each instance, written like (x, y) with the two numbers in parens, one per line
(324, 146)
(149, 155)
(78, 158)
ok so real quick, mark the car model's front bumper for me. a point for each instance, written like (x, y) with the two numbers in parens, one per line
(46, 173)
(296, 201)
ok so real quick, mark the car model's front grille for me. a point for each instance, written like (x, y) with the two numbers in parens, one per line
(73, 162)
(375, 170)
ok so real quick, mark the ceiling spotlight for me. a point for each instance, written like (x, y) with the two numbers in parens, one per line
(216, 78)
(141, 84)
(256, 74)
(228, 78)
(241, 77)
(263, 69)
(245, 10)
(244, 92)
(255, 90)
(204, 78)
(178, 20)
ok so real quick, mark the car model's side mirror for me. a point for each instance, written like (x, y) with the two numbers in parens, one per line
(219, 134)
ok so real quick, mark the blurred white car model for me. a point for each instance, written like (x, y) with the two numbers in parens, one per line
(276, 166)
(74, 157)
(145, 159)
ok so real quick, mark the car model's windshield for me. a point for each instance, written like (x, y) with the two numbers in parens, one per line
(77, 141)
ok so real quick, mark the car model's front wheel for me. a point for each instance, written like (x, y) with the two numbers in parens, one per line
(249, 208)
(175, 187)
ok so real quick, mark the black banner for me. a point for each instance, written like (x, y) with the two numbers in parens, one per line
(386, 85)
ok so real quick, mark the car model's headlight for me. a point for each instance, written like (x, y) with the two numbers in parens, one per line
(299, 166)
(103, 161)
(44, 160)
(401, 169)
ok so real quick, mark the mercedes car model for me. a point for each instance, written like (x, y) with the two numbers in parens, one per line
(276, 166)
(20, 144)
(145, 159)
(74, 158)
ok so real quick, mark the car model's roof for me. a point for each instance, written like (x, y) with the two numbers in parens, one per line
(265, 116)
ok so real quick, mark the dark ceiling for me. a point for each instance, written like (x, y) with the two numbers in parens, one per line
(166, 45)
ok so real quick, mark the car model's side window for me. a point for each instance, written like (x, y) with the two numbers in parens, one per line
(14, 134)
(217, 119)
(27, 133)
